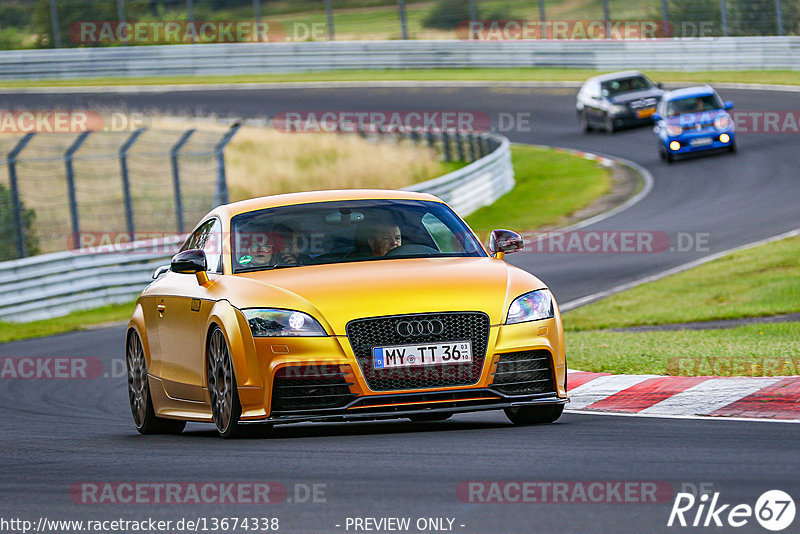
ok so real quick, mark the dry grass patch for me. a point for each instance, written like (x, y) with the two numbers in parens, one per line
(262, 162)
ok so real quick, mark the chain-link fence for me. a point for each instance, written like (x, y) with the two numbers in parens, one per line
(72, 23)
(67, 191)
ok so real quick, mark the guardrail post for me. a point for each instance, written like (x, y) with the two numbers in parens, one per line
(54, 22)
(460, 146)
(19, 221)
(724, 10)
(665, 18)
(448, 155)
(257, 10)
(221, 196)
(484, 145)
(401, 7)
(473, 153)
(73, 199)
(329, 16)
(542, 18)
(430, 138)
(176, 178)
(473, 12)
(126, 184)
(779, 17)
(121, 18)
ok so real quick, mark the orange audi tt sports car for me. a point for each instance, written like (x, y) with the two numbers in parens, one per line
(342, 305)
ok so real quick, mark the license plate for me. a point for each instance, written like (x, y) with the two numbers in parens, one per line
(422, 354)
(701, 141)
(645, 113)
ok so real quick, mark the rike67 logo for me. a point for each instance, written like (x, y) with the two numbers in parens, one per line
(774, 510)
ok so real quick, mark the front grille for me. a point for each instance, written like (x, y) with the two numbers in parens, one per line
(530, 371)
(309, 388)
(364, 334)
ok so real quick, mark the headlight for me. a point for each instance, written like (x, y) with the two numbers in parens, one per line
(282, 323)
(722, 122)
(532, 306)
(673, 130)
(617, 109)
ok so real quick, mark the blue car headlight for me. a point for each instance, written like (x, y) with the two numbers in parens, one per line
(723, 122)
(282, 323)
(533, 306)
(673, 130)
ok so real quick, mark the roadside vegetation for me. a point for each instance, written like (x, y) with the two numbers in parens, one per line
(549, 186)
(758, 282)
(780, 77)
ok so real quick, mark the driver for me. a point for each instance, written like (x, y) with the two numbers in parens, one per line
(383, 237)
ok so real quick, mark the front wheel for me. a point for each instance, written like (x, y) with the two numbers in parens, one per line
(584, 122)
(144, 415)
(534, 415)
(222, 391)
(610, 128)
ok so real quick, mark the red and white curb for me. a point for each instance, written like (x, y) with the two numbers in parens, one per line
(768, 398)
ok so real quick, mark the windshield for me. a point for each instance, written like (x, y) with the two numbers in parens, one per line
(626, 85)
(348, 231)
(693, 104)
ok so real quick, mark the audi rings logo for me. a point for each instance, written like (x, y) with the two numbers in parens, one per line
(420, 328)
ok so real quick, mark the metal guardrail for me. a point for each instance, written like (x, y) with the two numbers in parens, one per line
(51, 285)
(691, 54)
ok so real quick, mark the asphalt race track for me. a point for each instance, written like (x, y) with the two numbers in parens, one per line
(57, 433)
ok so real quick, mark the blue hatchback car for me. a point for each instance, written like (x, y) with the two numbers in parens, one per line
(693, 119)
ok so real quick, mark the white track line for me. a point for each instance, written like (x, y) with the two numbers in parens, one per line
(710, 395)
(695, 417)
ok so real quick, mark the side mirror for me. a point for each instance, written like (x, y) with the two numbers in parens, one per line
(192, 261)
(160, 270)
(657, 116)
(503, 242)
(729, 104)
(660, 85)
(189, 261)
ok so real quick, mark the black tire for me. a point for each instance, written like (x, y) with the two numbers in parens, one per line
(610, 128)
(430, 417)
(585, 126)
(670, 157)
(733, 149)
(662, 154)
(534, 415)
(144, 416)
(223, 391)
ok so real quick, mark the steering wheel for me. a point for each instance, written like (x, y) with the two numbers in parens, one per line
(411, 249)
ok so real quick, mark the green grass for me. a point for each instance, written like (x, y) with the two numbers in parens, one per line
(751, 350)
(79, 320)
(760, 281)
(493, 74)
(550, 185)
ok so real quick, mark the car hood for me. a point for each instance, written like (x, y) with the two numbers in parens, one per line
(338, 293)
(702, 117)
(636, 95)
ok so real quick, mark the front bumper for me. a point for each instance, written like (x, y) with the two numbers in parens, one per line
(297, 364)
(407, 404)
(686, 141)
